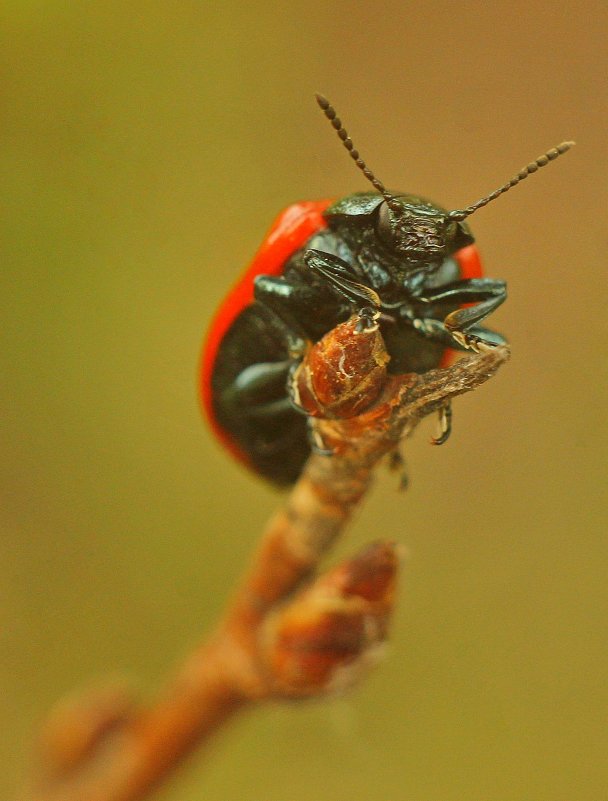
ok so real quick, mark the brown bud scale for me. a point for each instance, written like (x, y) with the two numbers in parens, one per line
(328, 634)
(342, 374)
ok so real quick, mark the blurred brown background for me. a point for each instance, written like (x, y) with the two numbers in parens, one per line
(147, 146)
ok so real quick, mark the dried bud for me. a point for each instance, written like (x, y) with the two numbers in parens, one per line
(343, 374)
(323, 640)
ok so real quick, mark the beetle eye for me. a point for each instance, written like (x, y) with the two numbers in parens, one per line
(385, 227)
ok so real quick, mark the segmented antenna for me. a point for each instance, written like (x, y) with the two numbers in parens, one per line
(541, 161)
(336, 123)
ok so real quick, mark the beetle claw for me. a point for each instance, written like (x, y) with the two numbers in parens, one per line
(445, 425)
(473, 342)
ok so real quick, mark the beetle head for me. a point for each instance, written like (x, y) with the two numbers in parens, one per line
(416, 229)
(419, 231)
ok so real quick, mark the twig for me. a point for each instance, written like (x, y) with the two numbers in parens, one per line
(276, 640)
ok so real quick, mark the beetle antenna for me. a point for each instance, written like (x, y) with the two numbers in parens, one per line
(336, 123)
(541, 161)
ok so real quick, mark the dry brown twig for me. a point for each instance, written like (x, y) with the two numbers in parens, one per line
(287, 633)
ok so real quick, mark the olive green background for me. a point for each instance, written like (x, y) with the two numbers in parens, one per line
(146, 148)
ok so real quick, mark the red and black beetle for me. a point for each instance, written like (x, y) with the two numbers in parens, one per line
(396, 259)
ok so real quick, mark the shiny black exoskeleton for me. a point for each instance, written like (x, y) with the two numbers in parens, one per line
(388, 256)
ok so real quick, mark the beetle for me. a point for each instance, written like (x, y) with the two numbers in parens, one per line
(394, 259)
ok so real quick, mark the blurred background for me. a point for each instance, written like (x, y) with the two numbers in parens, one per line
(147, 146)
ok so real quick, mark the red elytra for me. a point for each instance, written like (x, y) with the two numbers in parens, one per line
(289, 232)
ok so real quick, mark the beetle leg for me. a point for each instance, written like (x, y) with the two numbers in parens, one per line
(460, 323)
(467, 290)
(270, 410)
(486, 294)
(445, 424)
(260, 379)
(493, 338)
(258, 391)
(435, 329)
(285, 301)
(341, 279)
(320, 261)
